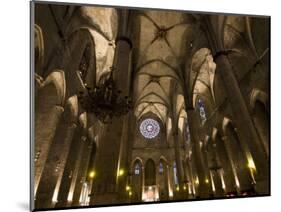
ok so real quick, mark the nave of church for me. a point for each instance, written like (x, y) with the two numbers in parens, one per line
(140, 105)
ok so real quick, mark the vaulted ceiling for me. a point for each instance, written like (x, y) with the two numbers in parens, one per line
(104, 25)
(161, 38)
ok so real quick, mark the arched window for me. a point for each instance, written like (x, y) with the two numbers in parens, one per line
(202, 111)
(84, 63)
(137, 169)
(175, 174)
(149, 128)
(187, 133)
(150, 175)
(161, 168)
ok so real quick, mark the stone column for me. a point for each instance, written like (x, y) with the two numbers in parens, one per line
(190, 180)
(178, 160)
(52, 174)
(247, 133)
(123, 80)
(143, 180)
(123, 159)
(46, 122)
(170, 187)
(77, 164)
(214, 168)
(227, 172)
(208, 179)
(104, 190)
(69, 168)
(203, 188)
(84, 170)
(239, 166)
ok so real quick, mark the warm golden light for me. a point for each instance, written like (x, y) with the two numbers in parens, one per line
(251, 164)
(206, 181)
(130, 193)
(197, 181)
(184, 187)
(177, 188)
(92, 174)
(121, 172)
(128, 188)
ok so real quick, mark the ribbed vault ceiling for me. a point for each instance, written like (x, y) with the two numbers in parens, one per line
(161, 48)
(104, 25)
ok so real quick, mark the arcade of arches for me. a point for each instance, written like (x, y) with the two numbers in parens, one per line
(199, 127)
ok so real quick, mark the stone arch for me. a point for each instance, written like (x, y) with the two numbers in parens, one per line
(137, 159)
(238, 156)
(82, 69)
(225, 123)
(260, 117)
(162, 178)
(137, 169)
(163, 158)
(258, 95)
(49, 103)
(39, 49)
(150, 173)
(202, 74)
(57, 78)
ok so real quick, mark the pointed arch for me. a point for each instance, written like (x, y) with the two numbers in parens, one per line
(258, 95)
(225, 122)
(136, 160)
(39, 49)
(57, 78)
(150, 172)
(202, 74)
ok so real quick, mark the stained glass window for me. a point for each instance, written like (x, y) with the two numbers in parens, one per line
(202, 111)
(149, 128)
(137, 169)
(161, 168)
(175, 174)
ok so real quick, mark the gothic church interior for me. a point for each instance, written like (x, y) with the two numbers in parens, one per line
(142, 105)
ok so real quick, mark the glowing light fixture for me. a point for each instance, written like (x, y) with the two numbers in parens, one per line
(197, 181)
(121, 172)
(92, 174)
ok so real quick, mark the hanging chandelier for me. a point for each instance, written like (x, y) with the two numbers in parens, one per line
(105, 101)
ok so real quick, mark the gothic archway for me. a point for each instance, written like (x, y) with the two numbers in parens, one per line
(240, 164)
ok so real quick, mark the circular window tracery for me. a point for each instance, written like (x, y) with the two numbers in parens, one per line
(149, 128)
